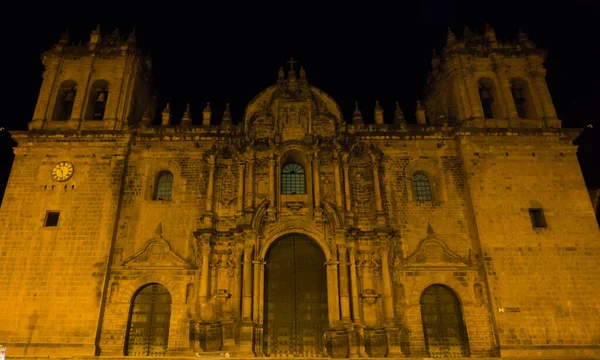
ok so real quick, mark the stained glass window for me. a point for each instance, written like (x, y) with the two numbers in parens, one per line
(421, 187)
(164, 186)
(292, 179)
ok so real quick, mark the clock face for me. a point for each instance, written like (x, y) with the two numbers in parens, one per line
(62, 171)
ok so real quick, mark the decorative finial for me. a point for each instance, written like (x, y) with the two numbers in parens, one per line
(98, 28)
(64, 39)
(450, 38)
(302, 73)
(166, 115)
(226, 116)
(159, 230)
(399, 116)
(466, 32)
(206, 115)
(281, 74)
(357, 115)
(131, 39)
(429, 229)
(420, 114)
(490, 36)
(524, 41)
(187, 115)
(378, 113)
(146, 118)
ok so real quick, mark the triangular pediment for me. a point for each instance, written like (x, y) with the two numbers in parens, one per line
(157, 254)
(434, 253)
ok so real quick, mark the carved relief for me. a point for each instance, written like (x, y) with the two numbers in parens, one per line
(157, 253)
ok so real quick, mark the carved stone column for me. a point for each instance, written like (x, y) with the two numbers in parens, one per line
(209, 191)
(368, 262)
(344, 288)
(247, 283)
(332, 292)
(237, 281)
(391, 330)
(316, 175)
(378, 201)
(354, 285)
(540, 87)
(337, 177)
(250, 181)
(460, 95)
(510, 110)
(240, 199)
(473, 93)
(388, 301)
(272, 205)
(348, 200)
(259, 284)
(247, 326)
(205, 276)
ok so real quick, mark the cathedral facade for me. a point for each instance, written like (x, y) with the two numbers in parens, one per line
(292, 232)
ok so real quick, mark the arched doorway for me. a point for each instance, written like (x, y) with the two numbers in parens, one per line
(443, 325)
(295, 314)
(148, 325)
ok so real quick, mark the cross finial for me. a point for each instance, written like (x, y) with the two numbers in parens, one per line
(291, 61)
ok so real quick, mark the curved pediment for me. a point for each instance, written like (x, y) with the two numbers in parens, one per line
(434, 253)
(157, 254)
(291, 110)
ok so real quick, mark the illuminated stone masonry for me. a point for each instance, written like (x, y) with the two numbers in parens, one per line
(292, 232)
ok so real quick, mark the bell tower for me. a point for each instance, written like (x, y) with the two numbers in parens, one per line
(481, 82)
(102, 85)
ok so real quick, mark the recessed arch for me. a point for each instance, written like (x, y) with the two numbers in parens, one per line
(65, 97)
(97, 100)
(295, 297)
(311, 233)
(444, 328)
(149, 321)
(488, 96)
(523, 98)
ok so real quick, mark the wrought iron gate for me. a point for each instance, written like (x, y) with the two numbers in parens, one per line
(148, 327)
(295, 298)
(443, 326)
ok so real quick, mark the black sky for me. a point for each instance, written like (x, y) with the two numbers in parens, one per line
(358, 51)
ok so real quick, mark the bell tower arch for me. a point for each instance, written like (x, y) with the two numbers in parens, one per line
(472, 83)
(104, 84)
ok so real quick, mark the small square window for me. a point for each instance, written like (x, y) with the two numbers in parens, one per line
(52, 218)
(537, 218)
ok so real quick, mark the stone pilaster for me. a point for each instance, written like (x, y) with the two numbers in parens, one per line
(338, 181)
(332, 292)
(344, 286)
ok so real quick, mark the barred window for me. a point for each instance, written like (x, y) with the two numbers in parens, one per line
(164, 186)
(421, 187)
(292, 179)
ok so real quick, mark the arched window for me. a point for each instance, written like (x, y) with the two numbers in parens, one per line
(149, 320)
(421, 187)
(292, 179)
(97, 100)
(443, 325)
(522, 97)
(487, 95)
(64, 100)
(164, 186)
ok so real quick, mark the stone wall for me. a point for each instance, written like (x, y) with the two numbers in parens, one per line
(542, 281)
(54, 277)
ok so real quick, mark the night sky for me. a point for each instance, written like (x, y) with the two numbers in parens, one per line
(230, 53)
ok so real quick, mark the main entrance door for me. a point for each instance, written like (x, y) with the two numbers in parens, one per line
(443, 327)
(148, 327)
(295, 298)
